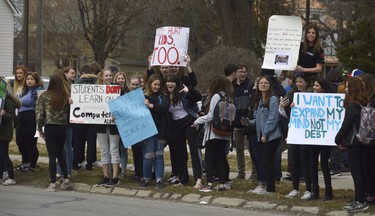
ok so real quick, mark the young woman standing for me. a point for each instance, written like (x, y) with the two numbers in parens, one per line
(109, 140)
(153, 147)
(26, 127)
(52, 112)
(355, 97)
(215, 144)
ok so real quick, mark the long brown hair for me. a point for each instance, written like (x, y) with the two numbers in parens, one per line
(258, 94)
(17, 84)
(218, 84)
(175, 96)
(67, 83)
(356, 92)
(152, 78)
(57, 93)
(317, 45)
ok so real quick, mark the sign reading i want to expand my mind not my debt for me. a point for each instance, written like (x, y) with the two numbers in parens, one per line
(315, 118)
(171, 45)
(283, 42)
(90, 103)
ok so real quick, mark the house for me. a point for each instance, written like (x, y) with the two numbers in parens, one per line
(7, 14)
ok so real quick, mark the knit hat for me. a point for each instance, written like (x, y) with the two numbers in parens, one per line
(357, 72)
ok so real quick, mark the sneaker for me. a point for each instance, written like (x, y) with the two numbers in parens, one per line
(256, 190)
(159, 185)
(221, 189)
(306, 196)
(228, 185)
(122, 175)
(51, 187)
(349, 204)
(103, 181)
(175, 181)
(208, 188)
(370, 199)
(136, 178)
(198, 185)
(327, 198)
(262, 192)
(66, 185)
(58, 175)
(112, 182)
(9, 182)
(357, 207)
(170, 179)
(144, 183)
(26, 169)
(292, 194)
(5, 175)
(336, 173)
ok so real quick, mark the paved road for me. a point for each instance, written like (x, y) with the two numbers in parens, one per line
(21, 201)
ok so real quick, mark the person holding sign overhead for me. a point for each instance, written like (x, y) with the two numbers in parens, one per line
(109, 139)
(311, 55)
(153, 147)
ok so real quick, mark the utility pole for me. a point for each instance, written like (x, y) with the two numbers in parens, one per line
(307, 12)
(39, 36)
(26, 32)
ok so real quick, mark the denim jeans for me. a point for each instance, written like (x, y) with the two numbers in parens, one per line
(68, 150)
(257, 156)
(153, 153)
(123, 157)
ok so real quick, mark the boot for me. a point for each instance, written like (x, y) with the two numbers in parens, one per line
(328, 194)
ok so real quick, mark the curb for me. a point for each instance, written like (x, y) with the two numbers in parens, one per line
(200, 199)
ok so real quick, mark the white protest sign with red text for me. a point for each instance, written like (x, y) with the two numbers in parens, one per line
(171, 46)
(90, 103)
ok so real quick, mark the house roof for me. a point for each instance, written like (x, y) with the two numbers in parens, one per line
(12, 7)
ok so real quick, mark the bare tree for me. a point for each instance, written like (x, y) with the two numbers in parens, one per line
(61, 32)
(105, 23)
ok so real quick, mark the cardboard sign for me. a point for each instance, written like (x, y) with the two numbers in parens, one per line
(316, 118)
(283, 41)
(133, 118)
(90, 103)
(171, 46)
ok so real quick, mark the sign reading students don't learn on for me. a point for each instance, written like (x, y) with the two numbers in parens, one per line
(171, 45)
(90, 103)
(315, 118)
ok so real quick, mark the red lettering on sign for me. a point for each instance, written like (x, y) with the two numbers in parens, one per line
(112, 89)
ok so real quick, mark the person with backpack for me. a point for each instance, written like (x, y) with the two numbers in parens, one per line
(369, 81)
(356, 96)
(220, 88)
(267, 129)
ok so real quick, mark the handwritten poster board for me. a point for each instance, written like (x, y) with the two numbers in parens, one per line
(283, 41)
(133, 118)
(3, 87)
(316, 118)
(171, 46)
(90, 103)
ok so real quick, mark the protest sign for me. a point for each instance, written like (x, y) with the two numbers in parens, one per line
(90, 103)
(133, 118)
(283, 41)
(3, 88)
(315, 118)
(171, 46)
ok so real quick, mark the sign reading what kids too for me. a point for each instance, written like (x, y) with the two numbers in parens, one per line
(90, 103)
(171, 45)
(315, 118)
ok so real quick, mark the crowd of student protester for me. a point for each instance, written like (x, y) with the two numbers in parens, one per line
(172, 99)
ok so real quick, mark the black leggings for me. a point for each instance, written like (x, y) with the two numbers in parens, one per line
(25, 139)
(215, 160)
(55, 140)
(6, 162)
(324, 152)
(269, 151)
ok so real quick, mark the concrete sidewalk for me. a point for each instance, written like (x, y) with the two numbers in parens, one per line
(344, 181)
